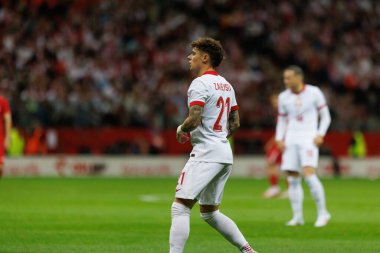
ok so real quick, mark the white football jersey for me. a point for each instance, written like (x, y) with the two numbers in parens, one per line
(217, 97)
(301, 112)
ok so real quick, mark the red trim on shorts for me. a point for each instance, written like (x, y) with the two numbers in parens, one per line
(234, 108)
(200, 103)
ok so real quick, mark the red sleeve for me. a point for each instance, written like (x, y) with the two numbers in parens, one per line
(4, 105)
(200, 103)
(234, 108)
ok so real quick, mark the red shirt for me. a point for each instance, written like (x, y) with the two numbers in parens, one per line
(4, 108)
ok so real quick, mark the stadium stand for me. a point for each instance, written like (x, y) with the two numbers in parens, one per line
(99, 63)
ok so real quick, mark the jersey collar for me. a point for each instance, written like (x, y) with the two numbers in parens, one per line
(210, 72)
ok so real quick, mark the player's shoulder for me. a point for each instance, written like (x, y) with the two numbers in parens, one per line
(208, 78)
(198, 82)
(209, 81)
(312, 88)
(284, 94)
(223, 80)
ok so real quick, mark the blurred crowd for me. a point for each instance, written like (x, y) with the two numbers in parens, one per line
(124, 63)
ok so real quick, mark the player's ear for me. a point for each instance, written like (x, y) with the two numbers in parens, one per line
(205, 58)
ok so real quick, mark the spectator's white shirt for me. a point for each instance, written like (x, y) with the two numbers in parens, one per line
(217, 97)
(298, 115)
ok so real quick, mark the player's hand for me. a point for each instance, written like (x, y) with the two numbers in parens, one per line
(318, 140)
(280, 145)
(182, 136)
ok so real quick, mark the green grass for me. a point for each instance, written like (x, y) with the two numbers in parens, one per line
(108, 215)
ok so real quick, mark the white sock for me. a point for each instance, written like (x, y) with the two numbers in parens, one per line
(318, 193)
(295, 192)
(226, 227)
(180, 228)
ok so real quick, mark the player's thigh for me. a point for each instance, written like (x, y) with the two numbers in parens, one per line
(213, 192)
(194, 177)
(309, 155)
(291, 159)
(273, 156)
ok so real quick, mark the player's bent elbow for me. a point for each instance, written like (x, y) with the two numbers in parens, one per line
(236, 125)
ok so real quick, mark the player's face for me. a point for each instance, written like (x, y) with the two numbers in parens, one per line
(195, 59)
(291, 79)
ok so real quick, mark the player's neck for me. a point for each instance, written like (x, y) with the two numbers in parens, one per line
(298, 89)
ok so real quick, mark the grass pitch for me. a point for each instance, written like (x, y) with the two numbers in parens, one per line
(133, 215)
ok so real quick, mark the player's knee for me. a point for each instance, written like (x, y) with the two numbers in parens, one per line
(186, 202)
(294, 180)
(209, 216)
(208, 208)
(179, 209)
(308, 171)
(292, 173)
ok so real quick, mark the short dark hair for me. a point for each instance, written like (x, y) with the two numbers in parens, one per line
(296, 69)
(212, 47)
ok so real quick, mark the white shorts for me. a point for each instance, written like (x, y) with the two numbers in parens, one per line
(298, 156)
(203, 181)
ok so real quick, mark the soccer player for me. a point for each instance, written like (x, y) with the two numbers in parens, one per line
(5, 130)
(299, 107)
(213, 117)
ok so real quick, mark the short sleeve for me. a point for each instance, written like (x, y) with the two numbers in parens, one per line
(5, 108)
(234, 105)
(197, 93)
(281, 108)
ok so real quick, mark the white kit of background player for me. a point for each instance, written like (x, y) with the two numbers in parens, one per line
(302, 124)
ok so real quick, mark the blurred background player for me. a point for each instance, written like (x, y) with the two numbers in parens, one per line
(273, 159)
(299, 107)
(5, 129)
(213, 117)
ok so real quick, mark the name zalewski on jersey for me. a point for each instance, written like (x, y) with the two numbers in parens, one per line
(217, 97)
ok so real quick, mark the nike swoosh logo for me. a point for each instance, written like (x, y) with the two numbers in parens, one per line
(177, 190)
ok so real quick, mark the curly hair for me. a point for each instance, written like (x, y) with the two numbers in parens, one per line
(212, 47)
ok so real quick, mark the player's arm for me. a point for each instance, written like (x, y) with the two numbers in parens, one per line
(233, 122)
(324, 118)
(269, 144)
(281, 126)
(324, 123)
(191, 122)
(7, 130)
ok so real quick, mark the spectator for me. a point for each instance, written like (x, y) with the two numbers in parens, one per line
(120, 63)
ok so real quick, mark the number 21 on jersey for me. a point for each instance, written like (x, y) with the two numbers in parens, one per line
(222, 105)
